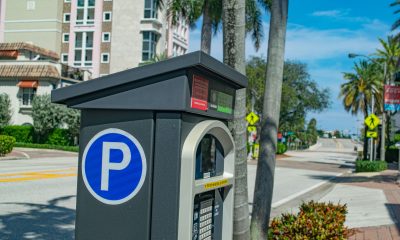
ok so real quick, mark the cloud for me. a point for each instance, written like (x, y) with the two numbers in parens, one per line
(329, 13)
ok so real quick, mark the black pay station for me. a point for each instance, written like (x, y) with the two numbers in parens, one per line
(156, 159)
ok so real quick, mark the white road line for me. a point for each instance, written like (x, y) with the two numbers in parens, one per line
(23, 153)
(294, 196)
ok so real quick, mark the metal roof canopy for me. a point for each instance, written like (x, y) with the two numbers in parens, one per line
(165, 85)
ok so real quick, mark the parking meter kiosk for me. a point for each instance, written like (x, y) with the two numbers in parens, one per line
(156, 158)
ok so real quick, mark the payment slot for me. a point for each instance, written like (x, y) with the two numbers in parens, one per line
(207, 180)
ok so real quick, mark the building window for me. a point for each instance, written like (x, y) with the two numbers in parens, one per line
(64, 57)
(106, 37)
(105, 58)
(150, 9)
(67, 17)
(149, 46)
(83, 49)
(106, 16)
(85, 12)
(65, 37)
(27, 96)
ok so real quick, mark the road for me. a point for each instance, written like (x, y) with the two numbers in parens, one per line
(37, 195)
(37, 198)
(305, 171)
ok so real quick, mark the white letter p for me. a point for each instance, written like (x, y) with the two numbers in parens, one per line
(106, 165)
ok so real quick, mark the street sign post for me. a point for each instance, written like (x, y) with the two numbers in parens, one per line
(372, 134)
(252, 118)
(372, 121)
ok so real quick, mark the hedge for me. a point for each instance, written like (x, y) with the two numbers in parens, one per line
(6, 144)
(26, 134)
(20, 133)
(48, 146)
(314, 221)
(370, 166)
(282, 148)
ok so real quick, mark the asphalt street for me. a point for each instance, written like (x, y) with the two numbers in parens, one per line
(37, 195)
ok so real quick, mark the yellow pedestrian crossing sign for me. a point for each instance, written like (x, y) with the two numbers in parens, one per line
(372, 121)
(372, 134)
(252, 118)
(251, 128)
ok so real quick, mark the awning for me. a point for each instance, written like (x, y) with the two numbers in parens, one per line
(28, 84)
(9, 53)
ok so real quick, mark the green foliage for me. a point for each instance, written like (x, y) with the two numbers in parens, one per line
(48, 116)
(5, 110)
(20, 133)
(59, 137)
(282, 148)
(48, 146)
(370, 166)
(6, 144)
(363, 83)
(318, 221)
(300, 94)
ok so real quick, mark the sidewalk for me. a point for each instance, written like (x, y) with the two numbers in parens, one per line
(377, 213)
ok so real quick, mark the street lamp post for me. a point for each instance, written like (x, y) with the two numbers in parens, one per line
(383, 128)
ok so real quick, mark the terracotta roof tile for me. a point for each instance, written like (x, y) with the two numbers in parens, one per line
(29, 47)
(29, 71)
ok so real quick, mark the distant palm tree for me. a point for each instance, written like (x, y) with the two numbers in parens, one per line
(211, 11)
(362, 84)
(389, 54)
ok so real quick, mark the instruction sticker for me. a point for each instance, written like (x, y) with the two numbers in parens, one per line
(199, 98)
(216, 184)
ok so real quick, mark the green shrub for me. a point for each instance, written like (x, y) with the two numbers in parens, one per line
(314, 221)
(370, 166)
(282, 148)
(20, 133)
(58, 137)
(47, 146)
(6, 144)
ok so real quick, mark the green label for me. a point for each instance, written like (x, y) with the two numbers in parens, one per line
(224, 109)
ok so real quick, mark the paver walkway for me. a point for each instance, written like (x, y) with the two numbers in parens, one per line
(385, 181)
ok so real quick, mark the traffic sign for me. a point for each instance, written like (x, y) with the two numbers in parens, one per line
(372, 134)
(252, 118)
(113, 166)
(372, 121)
(251, 128)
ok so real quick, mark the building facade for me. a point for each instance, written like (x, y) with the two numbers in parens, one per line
(27, 70)
(102, 36)
(33, 21)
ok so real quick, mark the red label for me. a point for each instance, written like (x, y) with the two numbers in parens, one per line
(199, 98)
(392, 94)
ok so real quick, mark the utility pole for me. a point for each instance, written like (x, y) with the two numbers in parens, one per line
(383, 128)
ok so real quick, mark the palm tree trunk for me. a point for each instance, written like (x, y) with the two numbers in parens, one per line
(270, 122)
(206, 33)
(234, 56)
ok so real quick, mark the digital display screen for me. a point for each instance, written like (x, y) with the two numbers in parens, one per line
(221, 102)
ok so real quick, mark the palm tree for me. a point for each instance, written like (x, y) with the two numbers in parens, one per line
(234, 56)
(270, 122)
(362, 84)
(389, 54)
(211, 10)
(388, 57)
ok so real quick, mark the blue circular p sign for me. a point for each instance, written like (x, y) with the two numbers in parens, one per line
(113, 166)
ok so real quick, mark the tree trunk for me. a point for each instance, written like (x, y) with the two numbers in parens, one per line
(270, 122)
(234, 56)
(206, 33)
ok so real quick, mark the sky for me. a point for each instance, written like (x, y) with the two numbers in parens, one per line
(321, 33)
